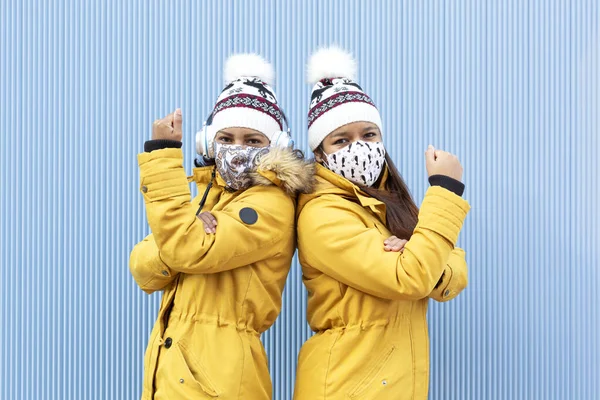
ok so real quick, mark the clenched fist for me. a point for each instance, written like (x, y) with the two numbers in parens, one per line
(168, 127)
(440, 162)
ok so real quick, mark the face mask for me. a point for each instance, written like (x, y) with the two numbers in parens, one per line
(235, 163)
(359, 162)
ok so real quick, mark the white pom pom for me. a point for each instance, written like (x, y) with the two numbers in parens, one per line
(250, 65)
(330, 62)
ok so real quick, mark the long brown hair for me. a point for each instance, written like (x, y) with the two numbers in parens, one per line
(401, 211)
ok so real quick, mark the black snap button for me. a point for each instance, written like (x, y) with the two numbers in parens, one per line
(145, 189)
(168, 342)
(248, 216)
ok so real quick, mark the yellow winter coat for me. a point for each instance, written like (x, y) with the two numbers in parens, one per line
(368, 306)
(222, 290)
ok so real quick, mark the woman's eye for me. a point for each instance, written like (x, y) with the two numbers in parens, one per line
(253, 142)
(340, 141)
(224, 139)
(370, 135)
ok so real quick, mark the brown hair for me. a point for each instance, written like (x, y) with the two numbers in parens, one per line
(401, 210)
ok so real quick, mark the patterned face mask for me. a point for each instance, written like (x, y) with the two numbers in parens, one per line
(359, 162)
(235, 163)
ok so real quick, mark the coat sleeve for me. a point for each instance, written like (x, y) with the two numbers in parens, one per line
(249, 229)
(147, 268)
(332, 239)
(455, 277)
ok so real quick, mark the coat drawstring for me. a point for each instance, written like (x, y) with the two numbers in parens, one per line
(203, 201)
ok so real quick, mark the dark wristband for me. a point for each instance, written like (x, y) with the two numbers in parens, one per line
(158, 144)
(456, 187)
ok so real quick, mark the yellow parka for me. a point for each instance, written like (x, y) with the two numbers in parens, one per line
(368, 306)
(222, 290)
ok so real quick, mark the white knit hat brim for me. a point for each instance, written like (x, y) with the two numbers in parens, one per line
(243, 117)
(339, 116)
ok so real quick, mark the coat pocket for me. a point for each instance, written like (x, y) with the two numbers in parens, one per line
(374, 378)
(164, 185)
(194, 373)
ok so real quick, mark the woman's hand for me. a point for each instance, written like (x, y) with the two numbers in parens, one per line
(168, 127)
(440, 162)
(210, 222)
(394, 244)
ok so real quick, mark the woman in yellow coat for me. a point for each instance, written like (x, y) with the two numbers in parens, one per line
(222, 258)
(370, 258)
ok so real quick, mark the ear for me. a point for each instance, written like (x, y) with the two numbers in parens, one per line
(319, 157)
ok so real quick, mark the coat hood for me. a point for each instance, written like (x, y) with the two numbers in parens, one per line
(330, 183)
(287, 169)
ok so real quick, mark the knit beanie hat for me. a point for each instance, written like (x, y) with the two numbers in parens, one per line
(336, 100)
(247, 101)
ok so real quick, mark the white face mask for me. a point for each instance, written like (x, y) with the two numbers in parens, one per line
(359, 162)
(235, 163)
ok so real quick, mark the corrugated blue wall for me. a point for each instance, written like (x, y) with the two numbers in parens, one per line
(510, 86)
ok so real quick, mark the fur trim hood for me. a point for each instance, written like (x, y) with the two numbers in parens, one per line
(287, 169)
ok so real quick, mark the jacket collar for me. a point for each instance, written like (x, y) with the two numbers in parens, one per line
(350, 189)
(332, 183)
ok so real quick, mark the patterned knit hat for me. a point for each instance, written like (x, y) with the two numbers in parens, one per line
(336, 100)
(247, 101)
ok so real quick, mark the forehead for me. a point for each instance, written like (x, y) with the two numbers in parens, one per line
(355, 127)
(240, 132)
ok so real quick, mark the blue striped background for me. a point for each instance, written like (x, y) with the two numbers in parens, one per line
(510, 86)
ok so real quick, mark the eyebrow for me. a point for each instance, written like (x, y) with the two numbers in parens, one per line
(246, 136)
(369, 128)
(338, 134)
(254, 135)
(364, 130)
